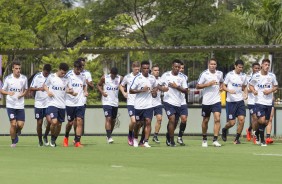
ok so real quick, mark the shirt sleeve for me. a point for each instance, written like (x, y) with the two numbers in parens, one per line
(201, 79)
(88, 76)
(184, 83)
(124, 81)
(5, 85)
(135, 83)
(34, 82)
(226, 80)
(26, 84)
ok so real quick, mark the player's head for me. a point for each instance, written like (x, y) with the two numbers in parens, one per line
(114, 72)
(135, 67)
(145, 68)
(77, 67)
(63, 68)
(265, 65)
(83, 61)
(155, 70)
(239, 66)
(46, 70)
(255, 67)
(181, 67)
(212, 64)
(16, 68)
(176, 64)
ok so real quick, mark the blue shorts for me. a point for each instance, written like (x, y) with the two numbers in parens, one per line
(56, 113)
(74, 112)
(235, 109)
(263, 110)
(16, 114)
(208, 109)
(252, 109)
(141, 114)
(184, 110)
(172, 110)
(158, 110)
(131, 110)
(40, 113)
(110, 111)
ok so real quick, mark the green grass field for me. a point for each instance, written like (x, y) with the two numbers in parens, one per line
(99, 162)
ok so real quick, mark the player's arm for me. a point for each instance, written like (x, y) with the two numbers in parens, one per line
(202, 86)
(252, 88)
(134, 88)
(100, 85)
(4, 92)
(50, 94)
(90, 84)
(178, 87)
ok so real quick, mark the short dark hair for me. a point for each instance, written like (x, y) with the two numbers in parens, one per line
(212, 59)
(177, 61)
(155, 65)
(266, 60)
(64, 66)
(239, 62)
(255, 64)
(47, 68)
(114, 71)
(77, 64)
(81, 59)
(16, 63)
(145, 63)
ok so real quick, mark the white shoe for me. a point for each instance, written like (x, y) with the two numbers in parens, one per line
(263, 144)
(216, 144)
(205, 144)
(110, 140)
(146, 145)
(135, 143)
(257, 142)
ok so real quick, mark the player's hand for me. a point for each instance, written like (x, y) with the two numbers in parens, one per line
(267, 91)
(104, 94)
(213, 82)
(74, 94)
(50, 94)
(165, 88)
(40, 89)
(145, 89)
(20, 95)
(232, 91)
(172, 84)
(86, 94)
(11, 93)
(255, 92)
(125, 95)
(245, 96)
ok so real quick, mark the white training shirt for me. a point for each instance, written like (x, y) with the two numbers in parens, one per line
(251, 96)
(88, 77)
(111, 87)
(183, 94)
(235, 82)
(261, 83)
(143, 100)
(173, 96)
(17, 85)
(211, 94)
(41, 97)
(127, 81)
(157, 101)
(57, 86)
(77, 83)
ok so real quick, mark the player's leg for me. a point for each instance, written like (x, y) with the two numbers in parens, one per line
(182, 127)
(131, 113)
(158, 112)
(47, 123)
(269, 128)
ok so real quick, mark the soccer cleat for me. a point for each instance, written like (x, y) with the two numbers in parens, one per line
(216, 144)
(40, 144)
(268, 140)
(146, 145)
(53, 144)
(224, 134)
(257, 142)
(130, 140)
(205, 144)
(66, 142)
(237, 142)
(180, 141)
(78, 145)
(110, 140)
(172, 144)
(248, 135)
(263, 144)
(254, 139)
(156, 140)
(13, 145)
(45, 141)
(16, 139)
(167, 139)
(135, 143)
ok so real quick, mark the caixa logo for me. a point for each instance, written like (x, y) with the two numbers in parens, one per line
(236, 85)
(147, 88)
(111, 88)
(262, 86)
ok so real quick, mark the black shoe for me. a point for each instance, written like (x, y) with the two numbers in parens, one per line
(172, 144)
(224, 134)
(237, 142)
(156, 140)
(167, 139)
(40, 144)
(180, 141)
(45, 141)
(53, 144)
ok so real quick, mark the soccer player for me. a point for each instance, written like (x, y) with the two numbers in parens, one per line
(56, 87)
(235, 84)
(175, 85)
(263, 84)
(211, 81)
(109, 88)
(251, 105)
(41, 103)
(183, 111)
(144, 86)
(124, 88)
(157, 104)
(75, 106)
(15, 87)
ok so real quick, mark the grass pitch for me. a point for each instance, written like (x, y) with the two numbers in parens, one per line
(99, 162)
